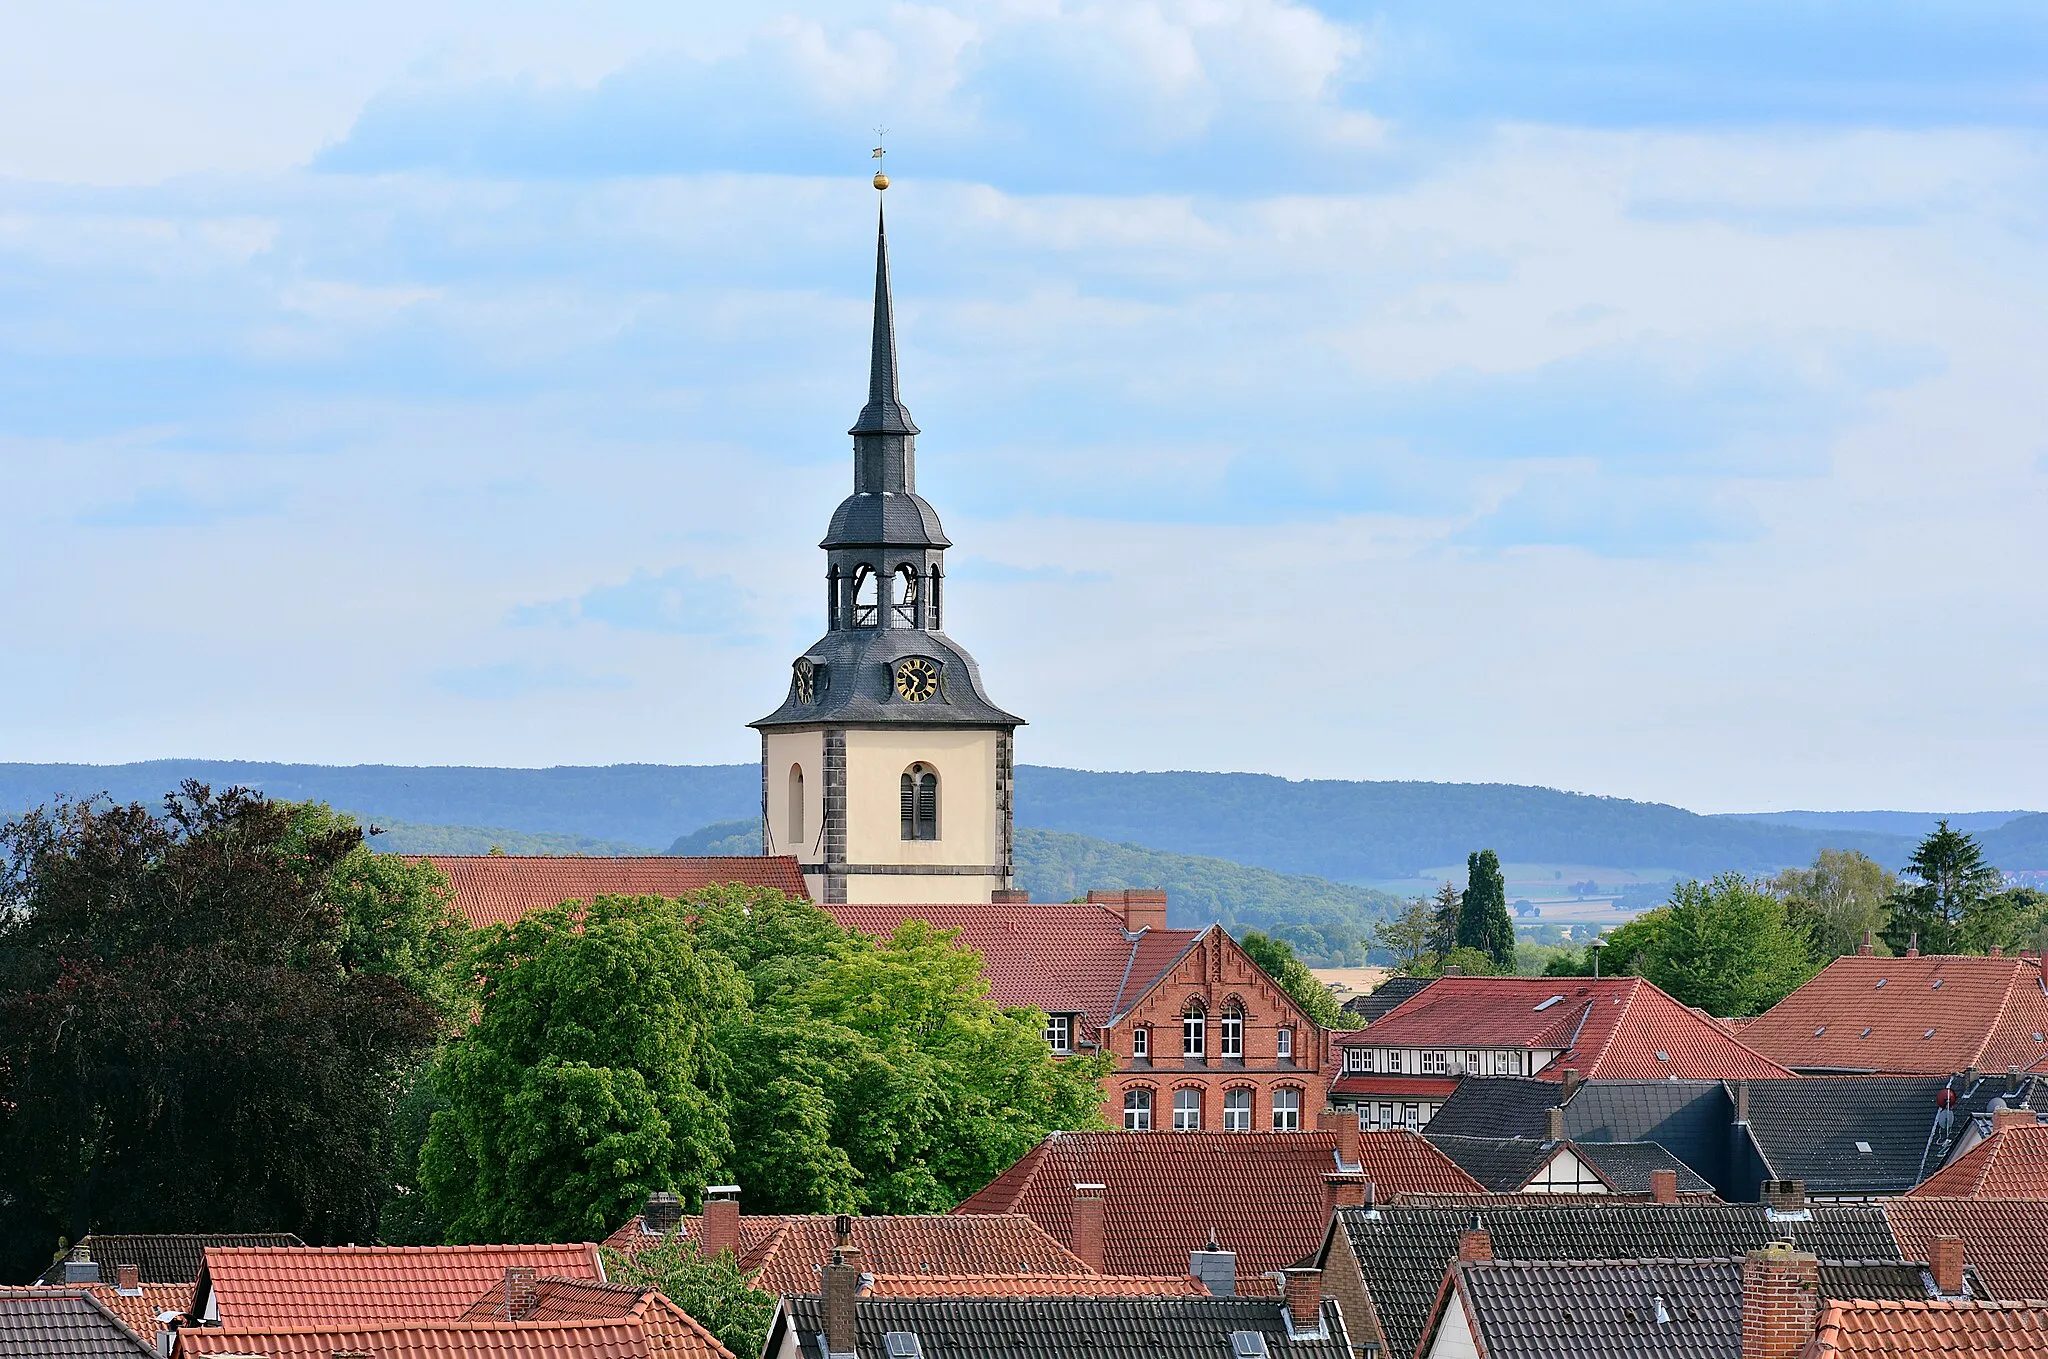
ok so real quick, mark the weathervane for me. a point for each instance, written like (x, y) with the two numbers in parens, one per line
(881, 175)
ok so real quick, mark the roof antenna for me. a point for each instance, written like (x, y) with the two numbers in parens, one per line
(881, 172)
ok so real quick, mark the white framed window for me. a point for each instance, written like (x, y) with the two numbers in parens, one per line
(1358, 1059)
(1194, 1027)
(1141, 1042)
(1394, 1056)
(1411, 1117)
(1287, 1111)
(1137, 1111)
(1283, 1044)
(1472, 1062)
(1237, 1110)
(1187, 1111)
(1386, 1115)
(1230, 1032)
(1432, 1062)
(1059, 1032)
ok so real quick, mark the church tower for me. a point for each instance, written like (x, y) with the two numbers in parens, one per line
(886, 771)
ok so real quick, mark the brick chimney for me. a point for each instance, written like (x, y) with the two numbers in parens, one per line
(1087, 1225)
(1010, 896)
(720, 1233)
(1343, 1191)
(663, 1213)
(1475, 1242)
(1913, 945)
(522, 1292)
(1780, 1301)
(1553, 1124)
(1784, 1196)
(1867, 947)
(1570, 1083)
(2012, 1118)
(1945, 1263)
(1305, 1298)
(1664, 1185)
(128, 1280)
(1143, 908)
(1344, 1123)
(838, 1290)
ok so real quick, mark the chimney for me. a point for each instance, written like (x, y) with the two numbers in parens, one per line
(1453, 970)
(80, 1267)
(1780, 1301)
(1344, 1123)
(1664, 1185)
(720, 1233)
(663, 1213)
(522, 1292)
(1475, 1242)
(1010, 896)
(1304, 1299)
(1913, 945)
(1553, 1124)
(1784, 1196)
(1742, 1101)
(1343, 1191)
(1998, 950)
(128, 1280)
(840, 1286)
(1945, 1263)
(1215, 1267)
(1570, 1083)
(2012, 1118)
(2012, 1080)
(1087, 1225)
(1866, 948)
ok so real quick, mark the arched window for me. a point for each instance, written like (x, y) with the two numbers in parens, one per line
(1137, 1111)
(1141, 1042)
(833, 603)
(1230, 1032)
(1187, 1110)
(920, 788)
(796, 805)
(932, 595)
(1193, 1031)
(1287, 1111)
(1237, 1110)
(867, 594)
(904, 607)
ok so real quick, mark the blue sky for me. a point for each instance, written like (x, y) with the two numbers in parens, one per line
(1627, 398)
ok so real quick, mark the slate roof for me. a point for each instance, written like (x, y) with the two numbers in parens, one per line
(1384, 997)
(784, 1254)
(1931, 1015)
(444, 1340)
(1064, 958)
(2002, 1238)
(61, 1323)
(497, 889)
(1613, 1027)
(1815, 1129)
(2012, 1163)
(1262, 1193)
(1034, 1286)
(1933, 1328)
(1626, 1166)
(1502, 1164)
(1048, 1328)
(368, 1286)
(1404, 1251)
(162, 1258)
(1689, 1119)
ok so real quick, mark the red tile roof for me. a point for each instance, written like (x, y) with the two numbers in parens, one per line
(1611, 1027)
(1937, 1328)
(670, 1330)
(280, 1287)
(1059, 957)
(1396, 1087)
(784, 1254)
(2002, 1238)
(1262, 1193)
(139, 1311)
(1929, 1015)
(1035, 1286)
(448, 1340)
(494, 889)
(2012, 1163)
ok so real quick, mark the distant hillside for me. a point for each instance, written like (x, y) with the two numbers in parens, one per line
(1912, 824)
(2019, 846)
(404, 837)
(1328, 922)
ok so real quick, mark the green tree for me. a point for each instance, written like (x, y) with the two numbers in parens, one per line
(716, 1291)
(589, 1078)
(1483, 920)
(1408, 935)
(1842, 895)
(1945, 909)
(1444, 910)
(1276, 958)
(190, 1038)
(1726, 946)
(1471, 962)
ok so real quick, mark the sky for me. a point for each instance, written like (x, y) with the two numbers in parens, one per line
(1638, 399)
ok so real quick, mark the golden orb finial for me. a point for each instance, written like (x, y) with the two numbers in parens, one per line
(881, 177)
(881, 180)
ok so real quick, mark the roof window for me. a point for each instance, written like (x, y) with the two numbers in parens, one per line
(1937, 983)
(902, 1345)
(1819, 1031)
(1865, 1033)
(2039, 1039)
(1248, 1344)
(1928, 1034)
(1544, 1005)
(1880, 983)
(1863, 1147)
(1663, 1056)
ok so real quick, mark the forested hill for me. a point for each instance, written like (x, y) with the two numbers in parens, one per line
(1344, 831)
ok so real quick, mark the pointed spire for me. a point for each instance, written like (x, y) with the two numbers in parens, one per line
(884, 413)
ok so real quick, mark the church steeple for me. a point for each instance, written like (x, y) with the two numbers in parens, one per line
(885, 412)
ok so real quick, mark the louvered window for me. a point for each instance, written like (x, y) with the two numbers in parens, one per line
(920, 793)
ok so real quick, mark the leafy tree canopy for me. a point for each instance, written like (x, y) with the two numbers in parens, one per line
(1837, 899)
(1945, 911)
(1726, 946)
(1276, 957)
(715, 1291)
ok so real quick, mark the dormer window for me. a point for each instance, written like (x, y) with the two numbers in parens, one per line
(1059, 1033)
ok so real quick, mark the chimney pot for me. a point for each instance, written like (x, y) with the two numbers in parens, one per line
(1780, 1301)
(1998, 950)
(522, 1292)
(128, 1280)
(1742, 1101)
(2012, 1080)
(1913, 945)
(1475, 1243)
(1454, 970)
(1945, 1263)
(1087, 1229)
(1785, 1196)
(1305, 1298)
(720, 1232)
(1553, 1123)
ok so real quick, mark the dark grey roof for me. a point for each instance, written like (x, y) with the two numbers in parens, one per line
(885, 412)
(162, 1258)
(54, 1323)
(1502, 1164)
(1497, 1106)
(1627, 1166)
(1059, 1328)
(1689, 1119)
(885, 519)
(1815, 1128)
(1887, 1281)
(1386, 996)
(1404, 1251)
(855, 684)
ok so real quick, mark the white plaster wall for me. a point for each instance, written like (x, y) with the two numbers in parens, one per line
(968, 829)
(1453, 1339)
(783, 749)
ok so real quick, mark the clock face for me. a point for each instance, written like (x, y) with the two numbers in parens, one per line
(917, 679)
(806, 681)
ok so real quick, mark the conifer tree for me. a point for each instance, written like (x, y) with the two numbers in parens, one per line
(1483, 921)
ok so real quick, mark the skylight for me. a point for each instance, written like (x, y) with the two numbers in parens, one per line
(1881, 981)
(1248, 1344)
(1663, 1056)
(902, 1345)
(1863, 1147)
(1937, 983)
(1546, 1005)
(1819, 1031)
(1928, 1034)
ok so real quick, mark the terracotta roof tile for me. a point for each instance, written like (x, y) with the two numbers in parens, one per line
(1034, 1286)
(494, 889)
(2012, 1163)
(2001, 1238)
(670, 1330)
(138, 1311)
(1263, 1193)
(311, 1286)
(447, 1340)
(784, 1254)
(1613, 1027)
(1929, 1015)
(1937, 1328)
